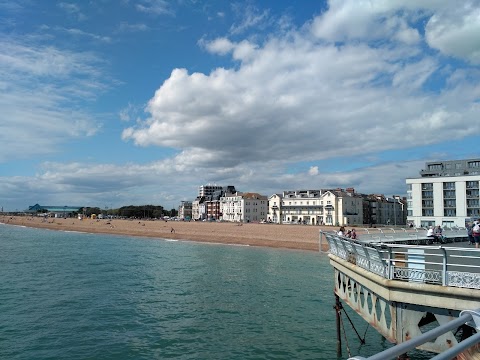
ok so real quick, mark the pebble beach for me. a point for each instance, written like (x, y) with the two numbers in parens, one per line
(299, 237)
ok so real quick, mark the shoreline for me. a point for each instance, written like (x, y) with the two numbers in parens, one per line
(294, 237)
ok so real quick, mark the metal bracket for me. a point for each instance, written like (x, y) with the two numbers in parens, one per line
(476, 318)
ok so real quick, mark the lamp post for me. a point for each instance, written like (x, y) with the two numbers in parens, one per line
(395, 210)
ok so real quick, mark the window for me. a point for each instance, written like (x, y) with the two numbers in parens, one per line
(427, 203)
(449, 212)
(472, 202)
(449, 186)
(409, 187)
(427, 212)
(409, 212)
(449, 203)
(472, 193)
(458, 165)
(448, 166)
(473, 212)
(427, 194)
(473, 164)
(427, 186)
(472, 184)
(435, 167)
(448, 194)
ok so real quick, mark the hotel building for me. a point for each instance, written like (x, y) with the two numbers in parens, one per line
(446, 193)
(316, 207)
(244, 207)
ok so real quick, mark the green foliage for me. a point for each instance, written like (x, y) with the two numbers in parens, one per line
(88, 211)
(143, 211)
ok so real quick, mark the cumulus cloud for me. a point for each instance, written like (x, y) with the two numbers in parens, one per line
(455, 31)
(86, 184)
(452, 28)
(314, 94)
(295, 99)
(360, 80)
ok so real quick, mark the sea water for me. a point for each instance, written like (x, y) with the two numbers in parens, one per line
(67, 295)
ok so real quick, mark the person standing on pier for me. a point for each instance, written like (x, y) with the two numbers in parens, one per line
(470, 234)
(476, 232)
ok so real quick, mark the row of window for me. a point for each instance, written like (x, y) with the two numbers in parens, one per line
(446, 185)
(429, 212)
(448, 166)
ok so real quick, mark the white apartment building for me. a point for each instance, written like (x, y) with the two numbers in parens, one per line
(296, 207)
(316, 207)
(185, 210)
(244, 207)
(342, 208)
(208, 190)
(446, 194)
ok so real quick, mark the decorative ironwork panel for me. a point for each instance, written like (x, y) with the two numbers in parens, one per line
(463, 279)
(431, 276)
(378, 268)
(375, 310)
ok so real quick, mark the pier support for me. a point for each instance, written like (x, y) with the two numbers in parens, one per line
(338, 309)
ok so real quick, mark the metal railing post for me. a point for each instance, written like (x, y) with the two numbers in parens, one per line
(444, 267)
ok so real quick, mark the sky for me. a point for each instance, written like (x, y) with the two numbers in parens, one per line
(110, 103)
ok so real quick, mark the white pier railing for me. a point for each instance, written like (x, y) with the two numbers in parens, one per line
(433, 264)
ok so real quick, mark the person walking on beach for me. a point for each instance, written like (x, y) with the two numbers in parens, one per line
(172, 231)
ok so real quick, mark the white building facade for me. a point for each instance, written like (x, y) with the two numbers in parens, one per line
(342, 208)
(446, 194)
(208, 190)
(244, 207)
(185, 210)
(316, 207)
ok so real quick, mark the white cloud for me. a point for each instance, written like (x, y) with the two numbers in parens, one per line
(313, 170)
(78, 32)
(250, 17)
(291, 90)
(294, 98)
(72, 10)
(221, 46)
(154, 7)
(41, 88)
(127, 27)
(455, 31)
(85, 184)
(452, 28)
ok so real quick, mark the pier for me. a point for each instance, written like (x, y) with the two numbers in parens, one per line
(404, 287)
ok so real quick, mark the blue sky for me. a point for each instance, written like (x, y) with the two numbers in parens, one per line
(112, 103)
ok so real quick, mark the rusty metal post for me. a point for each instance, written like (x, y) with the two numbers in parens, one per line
(338, 309)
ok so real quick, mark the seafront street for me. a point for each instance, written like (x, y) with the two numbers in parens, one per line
(300, 237)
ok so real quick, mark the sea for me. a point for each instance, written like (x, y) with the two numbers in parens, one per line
(68, 295)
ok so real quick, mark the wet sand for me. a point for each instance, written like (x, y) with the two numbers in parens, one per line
(300, 237)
